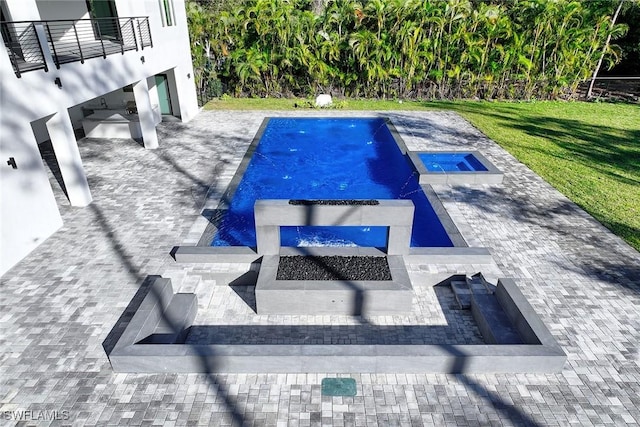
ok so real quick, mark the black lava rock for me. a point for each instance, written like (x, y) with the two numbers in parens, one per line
(304, 202)
(301, 267)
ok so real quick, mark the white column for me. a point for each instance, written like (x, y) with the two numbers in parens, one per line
(186, 92)
(154, 99)
(65, 146)
(5, 66)
(24, 10)
(145, 114)
(44, 45)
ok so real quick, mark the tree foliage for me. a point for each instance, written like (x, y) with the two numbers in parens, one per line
(630, 43)
(517, 49)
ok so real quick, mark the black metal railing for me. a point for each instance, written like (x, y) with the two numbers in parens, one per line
(144, 32)
(23, 46)
(73, 40)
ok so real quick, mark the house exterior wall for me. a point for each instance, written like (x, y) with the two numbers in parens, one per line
(62, 9)
(29, 213)
(26, 10)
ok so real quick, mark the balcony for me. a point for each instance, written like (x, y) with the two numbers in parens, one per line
(72, 41)
(23, 46)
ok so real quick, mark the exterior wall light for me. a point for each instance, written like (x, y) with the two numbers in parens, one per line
(142, 59)
(58, 82)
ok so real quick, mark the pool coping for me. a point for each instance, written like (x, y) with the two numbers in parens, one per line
(492, 175)
(204, 226)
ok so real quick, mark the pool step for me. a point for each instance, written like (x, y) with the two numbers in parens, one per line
(493, 322)
(479, 285)
(173, 324)
(463, 288)
(476, 294)
(462, 293)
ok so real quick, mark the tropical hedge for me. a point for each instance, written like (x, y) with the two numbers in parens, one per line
(424, 49)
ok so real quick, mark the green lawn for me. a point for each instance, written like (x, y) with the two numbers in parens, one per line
(588, 151)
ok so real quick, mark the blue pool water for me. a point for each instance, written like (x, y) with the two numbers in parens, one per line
(328, 159)
(451, 162)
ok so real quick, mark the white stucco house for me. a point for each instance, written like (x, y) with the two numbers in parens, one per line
(74, 68)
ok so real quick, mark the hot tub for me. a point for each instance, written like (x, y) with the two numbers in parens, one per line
(454, 167)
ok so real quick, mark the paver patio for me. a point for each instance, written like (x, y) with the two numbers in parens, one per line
(68, 301)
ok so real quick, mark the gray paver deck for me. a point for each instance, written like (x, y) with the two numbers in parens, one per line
(58, 307)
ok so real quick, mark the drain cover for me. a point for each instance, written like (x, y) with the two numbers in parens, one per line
(338, 387)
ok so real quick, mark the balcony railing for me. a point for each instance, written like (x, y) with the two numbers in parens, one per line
(144, 32)
(23, 46)
(74, 41)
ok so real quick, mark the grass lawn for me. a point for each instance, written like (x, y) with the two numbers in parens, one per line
(588, 151)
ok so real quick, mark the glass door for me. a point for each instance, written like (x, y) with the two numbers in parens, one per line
(106, 14)
(163, 94)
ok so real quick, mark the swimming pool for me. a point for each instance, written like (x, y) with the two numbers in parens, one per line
(330, 159)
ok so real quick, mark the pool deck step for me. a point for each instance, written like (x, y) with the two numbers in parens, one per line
(476, 294)
(479, 285)
(462, 293)
(493, 322)
(463, 288)
(174, 322)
